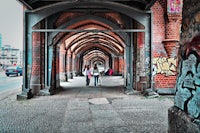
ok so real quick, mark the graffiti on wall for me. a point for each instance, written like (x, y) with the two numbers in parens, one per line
(175, 6)
(163, 65)
(188, 84)
(188, 91)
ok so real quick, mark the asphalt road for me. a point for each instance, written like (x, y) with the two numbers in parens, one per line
(9, 84)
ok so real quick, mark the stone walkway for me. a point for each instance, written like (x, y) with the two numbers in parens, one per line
(81, 109)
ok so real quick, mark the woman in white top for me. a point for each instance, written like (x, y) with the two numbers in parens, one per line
(88, 75)
(96, 74)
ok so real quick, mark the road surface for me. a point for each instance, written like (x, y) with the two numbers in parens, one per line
(9, 85)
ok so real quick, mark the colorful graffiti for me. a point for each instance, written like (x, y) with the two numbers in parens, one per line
(188, 83)
(163, 65)
(189, 86)
(174, 6)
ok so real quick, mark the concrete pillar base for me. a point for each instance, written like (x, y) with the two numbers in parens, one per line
(44, 92)
(26, 94)
(35, 88)
(22, 96)
(150, 93)
(180, 122)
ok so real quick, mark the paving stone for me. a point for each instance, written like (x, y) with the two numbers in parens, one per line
(76, 104)
(98, 101)
(78, 127)
(101, 107)
(70, 111)
(108, 122)
(118, 129)
(78, 116)
(104, 114)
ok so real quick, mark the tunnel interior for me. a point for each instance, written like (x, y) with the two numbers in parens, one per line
(67, 36)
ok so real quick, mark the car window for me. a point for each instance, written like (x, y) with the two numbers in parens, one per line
(14, 67)
(11, 68)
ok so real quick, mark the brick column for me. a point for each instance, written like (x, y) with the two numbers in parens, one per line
(116, 65)
(62, 62)
(73, 64)
(121, 65)
(36, 73)
(172, 35)
(57, 67)
(66, 66)
(77, 66)
(69, 64)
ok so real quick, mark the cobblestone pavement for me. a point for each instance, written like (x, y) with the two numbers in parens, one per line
(81, 109)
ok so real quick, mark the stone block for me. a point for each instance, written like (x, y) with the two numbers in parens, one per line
(180, 122)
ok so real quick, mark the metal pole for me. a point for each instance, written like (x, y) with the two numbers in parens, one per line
(94, 31)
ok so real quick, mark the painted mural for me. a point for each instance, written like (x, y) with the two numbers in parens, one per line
(163, 65)
(188, 84)
(174, 6)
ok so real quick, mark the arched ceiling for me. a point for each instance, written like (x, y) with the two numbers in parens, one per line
(106, 43)
(90, 44)
(140, 4)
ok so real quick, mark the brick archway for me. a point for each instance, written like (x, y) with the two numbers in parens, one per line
(64, 45)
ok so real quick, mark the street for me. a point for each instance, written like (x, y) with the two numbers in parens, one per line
(9, 85)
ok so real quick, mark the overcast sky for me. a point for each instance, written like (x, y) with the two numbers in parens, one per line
(11, 23)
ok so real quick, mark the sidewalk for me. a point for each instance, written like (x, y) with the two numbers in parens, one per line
(81, 109)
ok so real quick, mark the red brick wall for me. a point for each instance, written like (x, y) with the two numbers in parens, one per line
(116, 65)
(62, 55)
(121, 65)
(36, 55)
(158, 30)
(162, 80)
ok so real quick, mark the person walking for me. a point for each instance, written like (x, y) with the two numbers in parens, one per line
(96, 74)
(84, 70)
(88, 75)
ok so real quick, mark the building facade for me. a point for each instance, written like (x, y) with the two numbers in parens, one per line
(10, 56)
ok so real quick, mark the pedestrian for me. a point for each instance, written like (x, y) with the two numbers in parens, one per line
(83, 72)
(88, 75)
(100, 78)
(96, 74)
(110, 72)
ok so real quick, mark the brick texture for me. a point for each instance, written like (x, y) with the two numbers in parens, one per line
(165, 31)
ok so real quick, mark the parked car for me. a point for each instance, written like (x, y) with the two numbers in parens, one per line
(14, 70)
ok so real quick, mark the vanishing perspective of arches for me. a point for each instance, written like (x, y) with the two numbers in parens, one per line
(66, 36)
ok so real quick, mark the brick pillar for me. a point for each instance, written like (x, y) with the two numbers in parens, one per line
(121, 65)
(141, 77)
(57, 67)
(73, 64)
(66, 66)
(78, 68)
(62, 63)
(69, 64)
(116, 65)
(36, 73)
(172, 35)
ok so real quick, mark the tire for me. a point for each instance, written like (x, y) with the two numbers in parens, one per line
(7, 75)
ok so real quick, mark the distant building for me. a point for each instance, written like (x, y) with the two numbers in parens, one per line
(10, 56)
